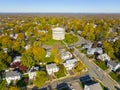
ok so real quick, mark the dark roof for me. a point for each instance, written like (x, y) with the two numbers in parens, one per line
(85, 78)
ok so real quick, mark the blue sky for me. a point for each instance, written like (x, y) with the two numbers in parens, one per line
(68, 6)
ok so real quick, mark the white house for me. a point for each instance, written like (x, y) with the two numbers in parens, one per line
(92, 51)
(66, 55)
(27, 47)
(32, 72)
(5, 50)
(17, 59)
(103, 57)
(12, 76)
(58, 33)
(113, 65)
(15, 37)
(70, 64)
(52, 68)
(95, 86)
(87, 45)
(48, 53)
(42, 31)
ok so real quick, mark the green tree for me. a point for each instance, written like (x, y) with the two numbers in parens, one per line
(39, 54)
(117, 45)
(3, 85)
(40, 78)
(27, 60)
(5, 60)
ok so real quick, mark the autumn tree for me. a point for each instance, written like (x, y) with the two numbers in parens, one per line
(3, 85)
(79, 67)
(27, 60)
(54, 50)
(57, 59)
(108, 48)
(14, 88)
(39, 54)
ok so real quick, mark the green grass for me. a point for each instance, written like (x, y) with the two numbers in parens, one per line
(51, 42)
(101, 65)
(114, 76)
(78, 47)
(84, 51)
(62, 72)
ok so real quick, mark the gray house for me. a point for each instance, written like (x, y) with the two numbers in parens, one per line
(12, 76)
(95, 86)
(113, 65)
(92, 51)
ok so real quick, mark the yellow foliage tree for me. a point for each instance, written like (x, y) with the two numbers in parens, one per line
(14, 88)
(57, 59)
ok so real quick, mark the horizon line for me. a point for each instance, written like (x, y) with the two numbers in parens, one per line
(62, 12)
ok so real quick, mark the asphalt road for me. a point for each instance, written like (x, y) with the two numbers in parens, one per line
(96, 72)
(55, 83)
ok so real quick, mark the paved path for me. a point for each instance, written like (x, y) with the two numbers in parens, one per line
(95, 71)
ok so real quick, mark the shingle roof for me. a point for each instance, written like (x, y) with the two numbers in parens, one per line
(114, 64)
(95, 86)
(12, 74)
(51, 66)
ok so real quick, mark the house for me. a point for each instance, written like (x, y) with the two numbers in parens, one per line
(15, 36)
(12, 76)
(42, 31)
(66, 55)
(5, 50)
(17, 59)
(113, 39)
(87, 45)
(48, 53)
(99, 44)
(70, 64)
(103, 57)
(92, 51)
(52, 68)
(113, 65)
(79, 32)
(94, 86)
(116, 38)
(32, 72)
(27, 47)
(75, 86)
(85, 78)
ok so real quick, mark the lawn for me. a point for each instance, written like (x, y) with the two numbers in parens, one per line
(102, 65)
(51, 42)
(62, 72)
(114, 76)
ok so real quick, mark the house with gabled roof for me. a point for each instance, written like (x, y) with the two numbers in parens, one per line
(52, 68)
(12, 76)
(113, 65)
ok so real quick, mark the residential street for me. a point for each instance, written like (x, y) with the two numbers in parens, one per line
(55, 83)
(96, 72)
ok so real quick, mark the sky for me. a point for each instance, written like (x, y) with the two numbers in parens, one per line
(60, 6)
